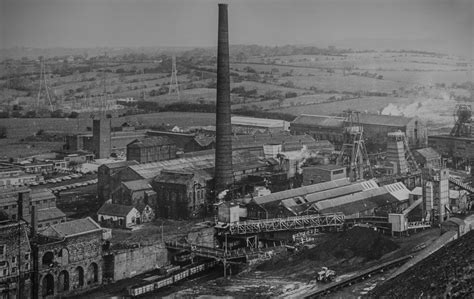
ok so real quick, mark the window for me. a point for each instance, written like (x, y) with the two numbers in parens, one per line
(14, 217)
(5, 272)
(2, 249)
(3, 264)
(5, 207)
(27, 266)
(14, 270)
(27, 256)
(13, 259)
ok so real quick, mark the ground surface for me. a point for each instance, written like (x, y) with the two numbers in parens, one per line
(292, 275)
(449, 272)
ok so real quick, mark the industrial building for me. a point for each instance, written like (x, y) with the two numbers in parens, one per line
(251, 125)
(457, 148)
(103, 140)
(16, 203)
(151, 149)
(69, 258)
(15, 259)
(376, 127)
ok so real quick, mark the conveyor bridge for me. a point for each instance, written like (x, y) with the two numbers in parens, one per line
(214, 253)
(287, 224)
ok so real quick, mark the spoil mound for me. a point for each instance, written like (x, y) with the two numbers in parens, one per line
(354, 246)
(447, 273)
(357, 242)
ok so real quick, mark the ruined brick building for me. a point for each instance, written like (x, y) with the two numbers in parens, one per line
(70, 257)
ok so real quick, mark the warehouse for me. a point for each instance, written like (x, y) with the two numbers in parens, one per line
(252, 125)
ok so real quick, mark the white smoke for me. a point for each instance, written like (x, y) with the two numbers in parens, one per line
(437, 111)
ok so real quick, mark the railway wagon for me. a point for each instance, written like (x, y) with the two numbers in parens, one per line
(148, 287)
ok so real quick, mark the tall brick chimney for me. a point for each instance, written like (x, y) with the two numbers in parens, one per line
(223, 166)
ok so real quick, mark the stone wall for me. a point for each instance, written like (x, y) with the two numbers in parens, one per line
(131, 262)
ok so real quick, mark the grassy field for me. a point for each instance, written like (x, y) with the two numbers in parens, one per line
(365, 104)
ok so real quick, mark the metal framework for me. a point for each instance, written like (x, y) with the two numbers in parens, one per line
(215, 253)
(43, 84)
(462, 119)
(284, 224)
(353, 153)
(174, 87)
(419, 224)
(461, 185)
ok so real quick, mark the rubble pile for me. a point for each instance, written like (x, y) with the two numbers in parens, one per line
(448, 273)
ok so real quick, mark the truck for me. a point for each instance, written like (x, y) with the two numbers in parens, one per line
(326, 275)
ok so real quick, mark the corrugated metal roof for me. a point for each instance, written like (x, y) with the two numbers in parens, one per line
(257, 122)
(384, 120)
(344, 190)
(341, 200)
(369, 184)
(245, 159)
(137, 185)
(364, 118)
(301, 191)
(428, 153)
(358, 202)
(398, 190)
(319, 120)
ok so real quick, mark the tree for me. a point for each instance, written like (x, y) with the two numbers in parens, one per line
(3, 132)
(30, 114)
(57, 113)
(73, 114)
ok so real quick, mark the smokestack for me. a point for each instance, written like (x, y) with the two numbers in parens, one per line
(223, 167)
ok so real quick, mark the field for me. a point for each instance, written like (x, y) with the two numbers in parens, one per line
(398, 83)
(18, 129)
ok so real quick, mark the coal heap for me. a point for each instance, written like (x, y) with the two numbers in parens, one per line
(447, 273)
(358, 242)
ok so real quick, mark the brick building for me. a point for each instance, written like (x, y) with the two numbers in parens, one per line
(115, 215)
(15, 259)
(108, 178)
(43, 199)
(138, 194)
(182, 193)
(70, 258)
(151, 149)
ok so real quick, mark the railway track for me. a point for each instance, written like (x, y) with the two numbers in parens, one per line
(333, 287)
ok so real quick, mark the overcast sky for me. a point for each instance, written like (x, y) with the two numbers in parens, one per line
(445, 24)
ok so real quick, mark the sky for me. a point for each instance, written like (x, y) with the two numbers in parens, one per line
(440, 25)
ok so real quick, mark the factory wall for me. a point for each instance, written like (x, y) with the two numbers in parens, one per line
(134, 261)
